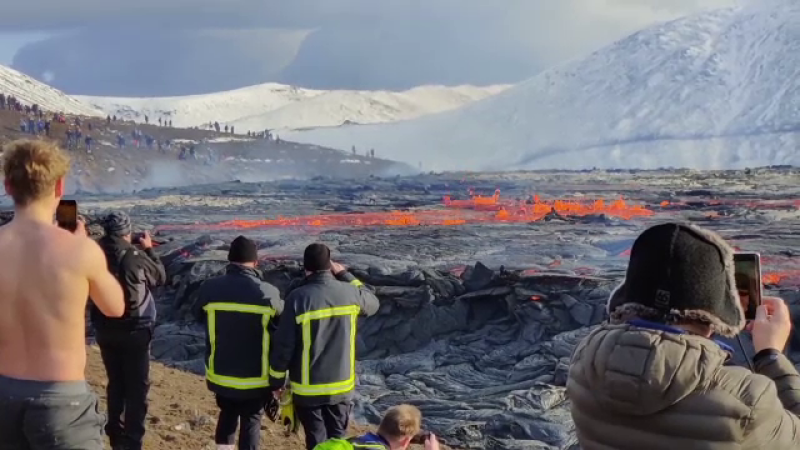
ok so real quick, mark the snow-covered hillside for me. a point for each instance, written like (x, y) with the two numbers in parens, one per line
(715, 90)
(29, 91)
(278, 107)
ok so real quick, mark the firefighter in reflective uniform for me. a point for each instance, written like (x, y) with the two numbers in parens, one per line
(316, 343)
(240, 311)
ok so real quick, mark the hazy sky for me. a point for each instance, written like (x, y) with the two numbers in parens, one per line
(11, 42)
(181, 46)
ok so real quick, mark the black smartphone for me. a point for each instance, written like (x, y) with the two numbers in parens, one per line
(421, 437)
(747, 267)
(67, 215)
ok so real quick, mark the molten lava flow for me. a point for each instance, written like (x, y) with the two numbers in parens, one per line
(477, 209)
(746, 203)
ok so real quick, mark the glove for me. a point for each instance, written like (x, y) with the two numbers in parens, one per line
(287, 414)
(272, 409)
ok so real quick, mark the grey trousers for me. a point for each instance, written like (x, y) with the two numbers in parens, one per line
(36, 415)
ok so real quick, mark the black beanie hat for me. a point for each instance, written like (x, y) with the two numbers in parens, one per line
(117, 224)
(680, 273)
(243, 250)
(317, 257)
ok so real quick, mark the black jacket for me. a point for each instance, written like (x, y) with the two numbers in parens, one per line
(240, 312)
(137, 272)
(316, 337)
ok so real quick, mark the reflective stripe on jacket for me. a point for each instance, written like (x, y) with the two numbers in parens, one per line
(240, 311)
(368, 441)
(316, 339)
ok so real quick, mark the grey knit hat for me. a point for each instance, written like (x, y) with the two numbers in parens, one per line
(117, 224)
(680, 273)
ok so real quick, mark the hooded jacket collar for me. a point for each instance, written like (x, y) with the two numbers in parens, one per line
(115, 243)
(238, 269)
(320, 276)
(639, 323)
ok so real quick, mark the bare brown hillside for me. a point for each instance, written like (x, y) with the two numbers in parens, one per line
(220, 156)
(183, 413)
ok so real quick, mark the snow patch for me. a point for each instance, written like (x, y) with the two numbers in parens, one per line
(280, 107)
(228, 139)
(720, 89)
(32, 92)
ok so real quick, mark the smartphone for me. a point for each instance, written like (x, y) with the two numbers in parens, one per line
(421, 437)
(67, 215)
(747, 268)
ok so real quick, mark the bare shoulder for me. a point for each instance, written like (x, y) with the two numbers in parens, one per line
(88, 253)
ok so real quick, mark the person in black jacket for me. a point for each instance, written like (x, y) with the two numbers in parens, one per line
(125, 342)
(315, 342)
(240, 311)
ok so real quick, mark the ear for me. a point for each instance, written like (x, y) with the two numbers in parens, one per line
(59, 188)
(406, 442)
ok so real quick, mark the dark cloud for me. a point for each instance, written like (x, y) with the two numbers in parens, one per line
(156, 47)
(142, 62)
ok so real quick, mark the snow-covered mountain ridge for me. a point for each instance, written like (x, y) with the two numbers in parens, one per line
(29, 91)
(280, 107)
(715, 90)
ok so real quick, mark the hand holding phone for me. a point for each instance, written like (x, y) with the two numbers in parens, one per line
(747, 267)
(772, 325)
(67, 215)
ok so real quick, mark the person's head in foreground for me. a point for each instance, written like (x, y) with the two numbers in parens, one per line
(399, 426)
(654, 378)
(243, 252)
(317, 258)
(33, 175)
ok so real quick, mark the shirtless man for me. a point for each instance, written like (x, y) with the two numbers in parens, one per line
(46, 276)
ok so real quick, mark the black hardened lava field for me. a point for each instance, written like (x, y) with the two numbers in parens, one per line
(486, 281)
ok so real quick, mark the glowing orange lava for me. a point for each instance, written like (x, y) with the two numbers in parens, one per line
(476, 209)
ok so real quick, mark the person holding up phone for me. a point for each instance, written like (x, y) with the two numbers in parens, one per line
(654, 377)
(46, 275)
(400, 427)
(125, 341)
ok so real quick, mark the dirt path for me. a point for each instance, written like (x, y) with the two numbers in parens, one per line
(182, 411)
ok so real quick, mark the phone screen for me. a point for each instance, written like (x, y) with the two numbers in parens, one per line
(67, 215)
(748, 281)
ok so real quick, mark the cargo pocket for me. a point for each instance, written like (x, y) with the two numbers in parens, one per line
(64, 422)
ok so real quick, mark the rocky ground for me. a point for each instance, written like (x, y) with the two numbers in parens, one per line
(481, 304)
(221, 157)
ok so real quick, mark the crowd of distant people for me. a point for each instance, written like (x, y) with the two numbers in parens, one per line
(34, 121)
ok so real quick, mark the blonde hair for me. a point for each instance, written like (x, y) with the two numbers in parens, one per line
(32, 168)
(400, 422)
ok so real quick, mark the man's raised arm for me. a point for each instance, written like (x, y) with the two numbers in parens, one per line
(104, 289)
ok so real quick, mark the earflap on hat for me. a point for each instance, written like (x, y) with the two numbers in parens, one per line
(621, 309)
(729, 320)
(726, 317)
